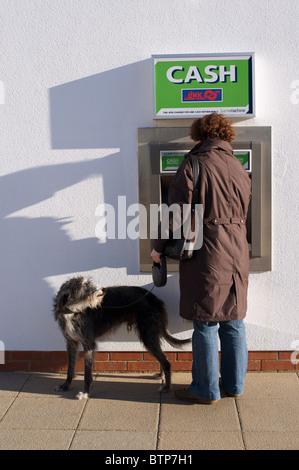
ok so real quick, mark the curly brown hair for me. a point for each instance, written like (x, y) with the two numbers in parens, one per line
(212, 126)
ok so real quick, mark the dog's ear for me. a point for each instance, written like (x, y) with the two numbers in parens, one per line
(64, 299)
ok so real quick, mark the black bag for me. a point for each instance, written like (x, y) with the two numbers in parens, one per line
(182, 249)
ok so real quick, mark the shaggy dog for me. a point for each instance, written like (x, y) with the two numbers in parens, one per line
(86, 312)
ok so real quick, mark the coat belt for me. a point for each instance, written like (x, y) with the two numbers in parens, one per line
(225, 220)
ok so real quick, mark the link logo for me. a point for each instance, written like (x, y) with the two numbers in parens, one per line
(204, 95)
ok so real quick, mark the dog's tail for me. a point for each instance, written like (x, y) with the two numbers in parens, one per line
(175, 341)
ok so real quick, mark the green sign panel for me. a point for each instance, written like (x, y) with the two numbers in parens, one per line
(190, 86)
(244, 157)
(170, 160)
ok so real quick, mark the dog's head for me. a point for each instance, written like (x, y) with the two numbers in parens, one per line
(76, 295)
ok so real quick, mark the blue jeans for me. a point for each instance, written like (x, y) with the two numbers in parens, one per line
(234, 357)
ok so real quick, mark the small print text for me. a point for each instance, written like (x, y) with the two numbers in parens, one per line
(152, 459)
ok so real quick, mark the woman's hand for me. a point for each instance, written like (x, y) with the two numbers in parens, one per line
(156, 256)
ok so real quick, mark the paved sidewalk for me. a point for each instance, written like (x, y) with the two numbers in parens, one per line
(126, 411)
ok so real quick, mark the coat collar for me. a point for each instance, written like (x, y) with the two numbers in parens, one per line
(209, 144)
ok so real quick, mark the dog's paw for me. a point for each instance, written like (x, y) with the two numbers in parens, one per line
(82, 395)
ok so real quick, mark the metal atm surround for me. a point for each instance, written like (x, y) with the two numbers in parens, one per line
(152, 140)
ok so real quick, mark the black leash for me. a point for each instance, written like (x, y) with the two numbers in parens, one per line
(67, 311)
(132, 303)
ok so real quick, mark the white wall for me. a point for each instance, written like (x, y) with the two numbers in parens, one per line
(75, 86)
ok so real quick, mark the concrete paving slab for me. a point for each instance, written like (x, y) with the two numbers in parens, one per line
(271, 440)
(35, 439)
(182, 378)
(267, 415)
(42, 385)
(271, 385)
(134, 377)
(12, 382)
(203, 440)
(114, 440)
(180, 416)
(120, 415)
(5, 403)
(125, 411)
(42, 413)
(129, 387)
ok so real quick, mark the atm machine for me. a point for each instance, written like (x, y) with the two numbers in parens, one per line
(160, 152)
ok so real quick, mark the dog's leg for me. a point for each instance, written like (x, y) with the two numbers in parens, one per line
(165, 366)
(155, 350)
(72, 349)
(88, 359)
(159, 375)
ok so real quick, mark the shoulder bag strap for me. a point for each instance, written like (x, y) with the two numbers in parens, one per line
(195, 166)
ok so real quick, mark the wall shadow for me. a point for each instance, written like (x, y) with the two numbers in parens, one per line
(98, 111)
(104, 111)
(34, 248)
(101, 111)
(141, 387)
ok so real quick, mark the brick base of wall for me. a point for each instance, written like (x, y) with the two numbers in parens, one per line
(56, 361)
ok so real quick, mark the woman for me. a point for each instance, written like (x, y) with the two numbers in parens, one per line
(213, 283)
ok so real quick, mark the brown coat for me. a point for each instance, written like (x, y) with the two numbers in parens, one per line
(213, 283)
